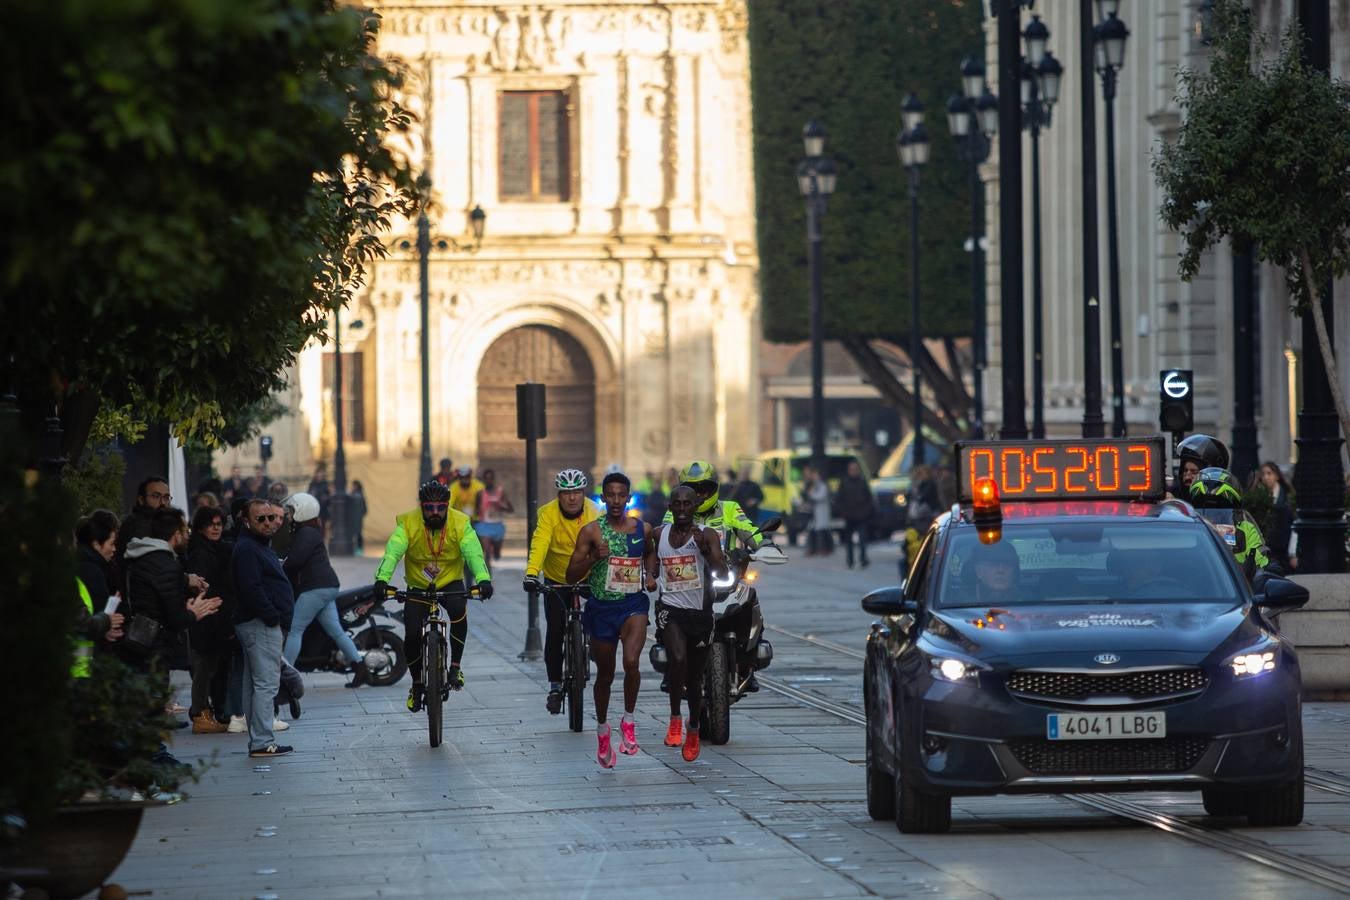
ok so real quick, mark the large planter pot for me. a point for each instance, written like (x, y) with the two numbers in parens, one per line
(72, 853)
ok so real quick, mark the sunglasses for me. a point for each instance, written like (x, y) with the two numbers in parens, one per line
(435, 507)
(271, 517)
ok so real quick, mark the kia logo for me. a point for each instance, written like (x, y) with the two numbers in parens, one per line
(1175, 385)
(1106, 659)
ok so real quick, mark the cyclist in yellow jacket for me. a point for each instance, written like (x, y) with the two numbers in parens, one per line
(551, 546)
(435, 543)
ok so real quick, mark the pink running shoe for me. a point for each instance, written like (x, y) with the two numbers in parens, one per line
(628, 746)
(605, 754)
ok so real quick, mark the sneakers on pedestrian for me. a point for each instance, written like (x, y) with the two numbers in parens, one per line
(238, 725)
(690, 751)
(628, 745)
(415, 696)
(553, 703)
(271, 750)
(456, 679)
(280, 724)
(604, 754)
(205, 723)
(675, 733)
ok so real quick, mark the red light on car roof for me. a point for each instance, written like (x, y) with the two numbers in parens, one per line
(985, 496)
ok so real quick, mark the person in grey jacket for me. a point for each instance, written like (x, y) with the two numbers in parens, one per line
(315, 584)
(265, 604)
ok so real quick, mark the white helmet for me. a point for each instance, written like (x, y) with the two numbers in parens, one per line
(303, 507)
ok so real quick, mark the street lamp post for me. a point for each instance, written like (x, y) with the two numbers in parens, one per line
(1040, 91)
(972, 118)
(342, 542)
(816, 177)
(1110, 36)
(477, 224)
(1011, 312)
(912, 146)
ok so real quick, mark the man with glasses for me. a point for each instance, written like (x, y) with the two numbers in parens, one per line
(435, 543)
(152, 494)
(264, 603)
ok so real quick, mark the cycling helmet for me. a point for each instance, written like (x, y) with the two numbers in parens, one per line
(433, 492)
(701, 475)
(1216, 488)
(571, 480)
(1203, 450)
(304, 507)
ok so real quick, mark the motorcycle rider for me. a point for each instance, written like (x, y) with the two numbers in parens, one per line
(1215, 488)
(555, 537)
(609, 553)
(728, 519)
(683, 557)
(1196, 452)
(434, 542)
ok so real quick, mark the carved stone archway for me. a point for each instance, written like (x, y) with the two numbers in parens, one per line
(550, 356)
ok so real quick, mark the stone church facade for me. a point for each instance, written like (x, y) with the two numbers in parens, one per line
(608, 145)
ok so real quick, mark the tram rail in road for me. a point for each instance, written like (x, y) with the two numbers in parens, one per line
(1229, 842)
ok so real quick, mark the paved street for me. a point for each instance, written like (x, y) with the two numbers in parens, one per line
(515, 804)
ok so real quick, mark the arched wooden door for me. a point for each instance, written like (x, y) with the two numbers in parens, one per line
(551, 357)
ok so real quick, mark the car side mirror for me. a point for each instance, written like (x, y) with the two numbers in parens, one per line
(889, 601)
(1280, 594)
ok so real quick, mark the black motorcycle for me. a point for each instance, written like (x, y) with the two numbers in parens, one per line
(730, 663)
(371, 628)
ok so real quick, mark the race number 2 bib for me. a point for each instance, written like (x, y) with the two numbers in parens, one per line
(681, 573)
(624, 574)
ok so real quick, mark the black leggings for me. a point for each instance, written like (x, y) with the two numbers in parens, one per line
(555, 620)
(684, 665)
(414, 614)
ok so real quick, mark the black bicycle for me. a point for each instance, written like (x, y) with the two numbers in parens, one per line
(436, 687)
(576, 650)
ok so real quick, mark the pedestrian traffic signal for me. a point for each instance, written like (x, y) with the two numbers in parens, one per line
(265, 447)
(1176, 401)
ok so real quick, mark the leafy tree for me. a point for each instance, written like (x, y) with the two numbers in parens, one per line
(1262, 159)
(849, 63)
(197, 185)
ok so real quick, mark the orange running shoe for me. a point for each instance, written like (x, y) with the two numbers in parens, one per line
(690, 751)
(675, 733)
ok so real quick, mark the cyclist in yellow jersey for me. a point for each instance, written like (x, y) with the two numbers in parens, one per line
(435, 542)
(464, 491)
(551, 545)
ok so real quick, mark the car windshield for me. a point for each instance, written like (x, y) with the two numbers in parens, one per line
(836, 466)
(1085, 562)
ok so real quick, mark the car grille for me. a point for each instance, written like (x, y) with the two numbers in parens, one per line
(1081, 686)
(1132, 757)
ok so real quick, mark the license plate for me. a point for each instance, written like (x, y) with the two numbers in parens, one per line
(1105, 726)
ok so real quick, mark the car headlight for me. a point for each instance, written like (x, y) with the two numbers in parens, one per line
(947, 668)
(900, 500)
(1254, 662)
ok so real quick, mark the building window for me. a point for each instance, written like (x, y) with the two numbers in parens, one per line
(353, 390)
(533, 141)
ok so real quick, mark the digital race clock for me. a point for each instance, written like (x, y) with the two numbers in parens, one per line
(1117, 469)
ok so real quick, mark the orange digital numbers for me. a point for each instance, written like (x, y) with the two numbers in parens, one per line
(1107, 460)
(1005, 483)
(1038, 469)
(1143, 468)
(1071, 470)
(976, 471)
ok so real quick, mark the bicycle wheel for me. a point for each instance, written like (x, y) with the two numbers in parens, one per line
(433, 673)
(576, 685)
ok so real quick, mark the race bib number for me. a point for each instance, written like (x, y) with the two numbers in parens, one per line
(624, 575)
(681, 573)
(431, 570)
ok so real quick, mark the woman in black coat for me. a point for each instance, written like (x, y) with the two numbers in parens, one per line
(210, 641)
(95, 545)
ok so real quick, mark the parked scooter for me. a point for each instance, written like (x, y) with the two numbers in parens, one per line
(372, 629)
(731, 663)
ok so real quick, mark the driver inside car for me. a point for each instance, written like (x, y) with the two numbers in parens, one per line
(996, 571)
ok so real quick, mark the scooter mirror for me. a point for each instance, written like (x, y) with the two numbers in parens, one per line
(771, 526)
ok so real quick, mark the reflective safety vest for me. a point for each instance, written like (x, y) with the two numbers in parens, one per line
(84, 648)
(433, 557)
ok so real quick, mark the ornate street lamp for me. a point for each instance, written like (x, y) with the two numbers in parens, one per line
(816, 178)
(1040, 91)
(1110, 36)
(912, 146)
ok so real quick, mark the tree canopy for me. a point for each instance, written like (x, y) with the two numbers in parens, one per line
(190, 188)
(1262, 158)
(849, 63)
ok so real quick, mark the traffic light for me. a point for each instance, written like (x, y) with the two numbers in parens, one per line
(265, 447)
(1176, 407)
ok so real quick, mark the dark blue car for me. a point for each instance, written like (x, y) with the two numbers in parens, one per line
(1072, 645)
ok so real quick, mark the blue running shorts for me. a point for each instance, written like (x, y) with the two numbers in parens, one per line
(603, 619)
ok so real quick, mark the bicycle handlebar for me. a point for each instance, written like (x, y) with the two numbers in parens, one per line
(428, 595)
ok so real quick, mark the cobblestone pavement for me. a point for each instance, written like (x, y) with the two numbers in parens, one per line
(514, 803)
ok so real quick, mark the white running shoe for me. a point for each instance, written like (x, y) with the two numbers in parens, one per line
(280, 725)
(238, 725)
